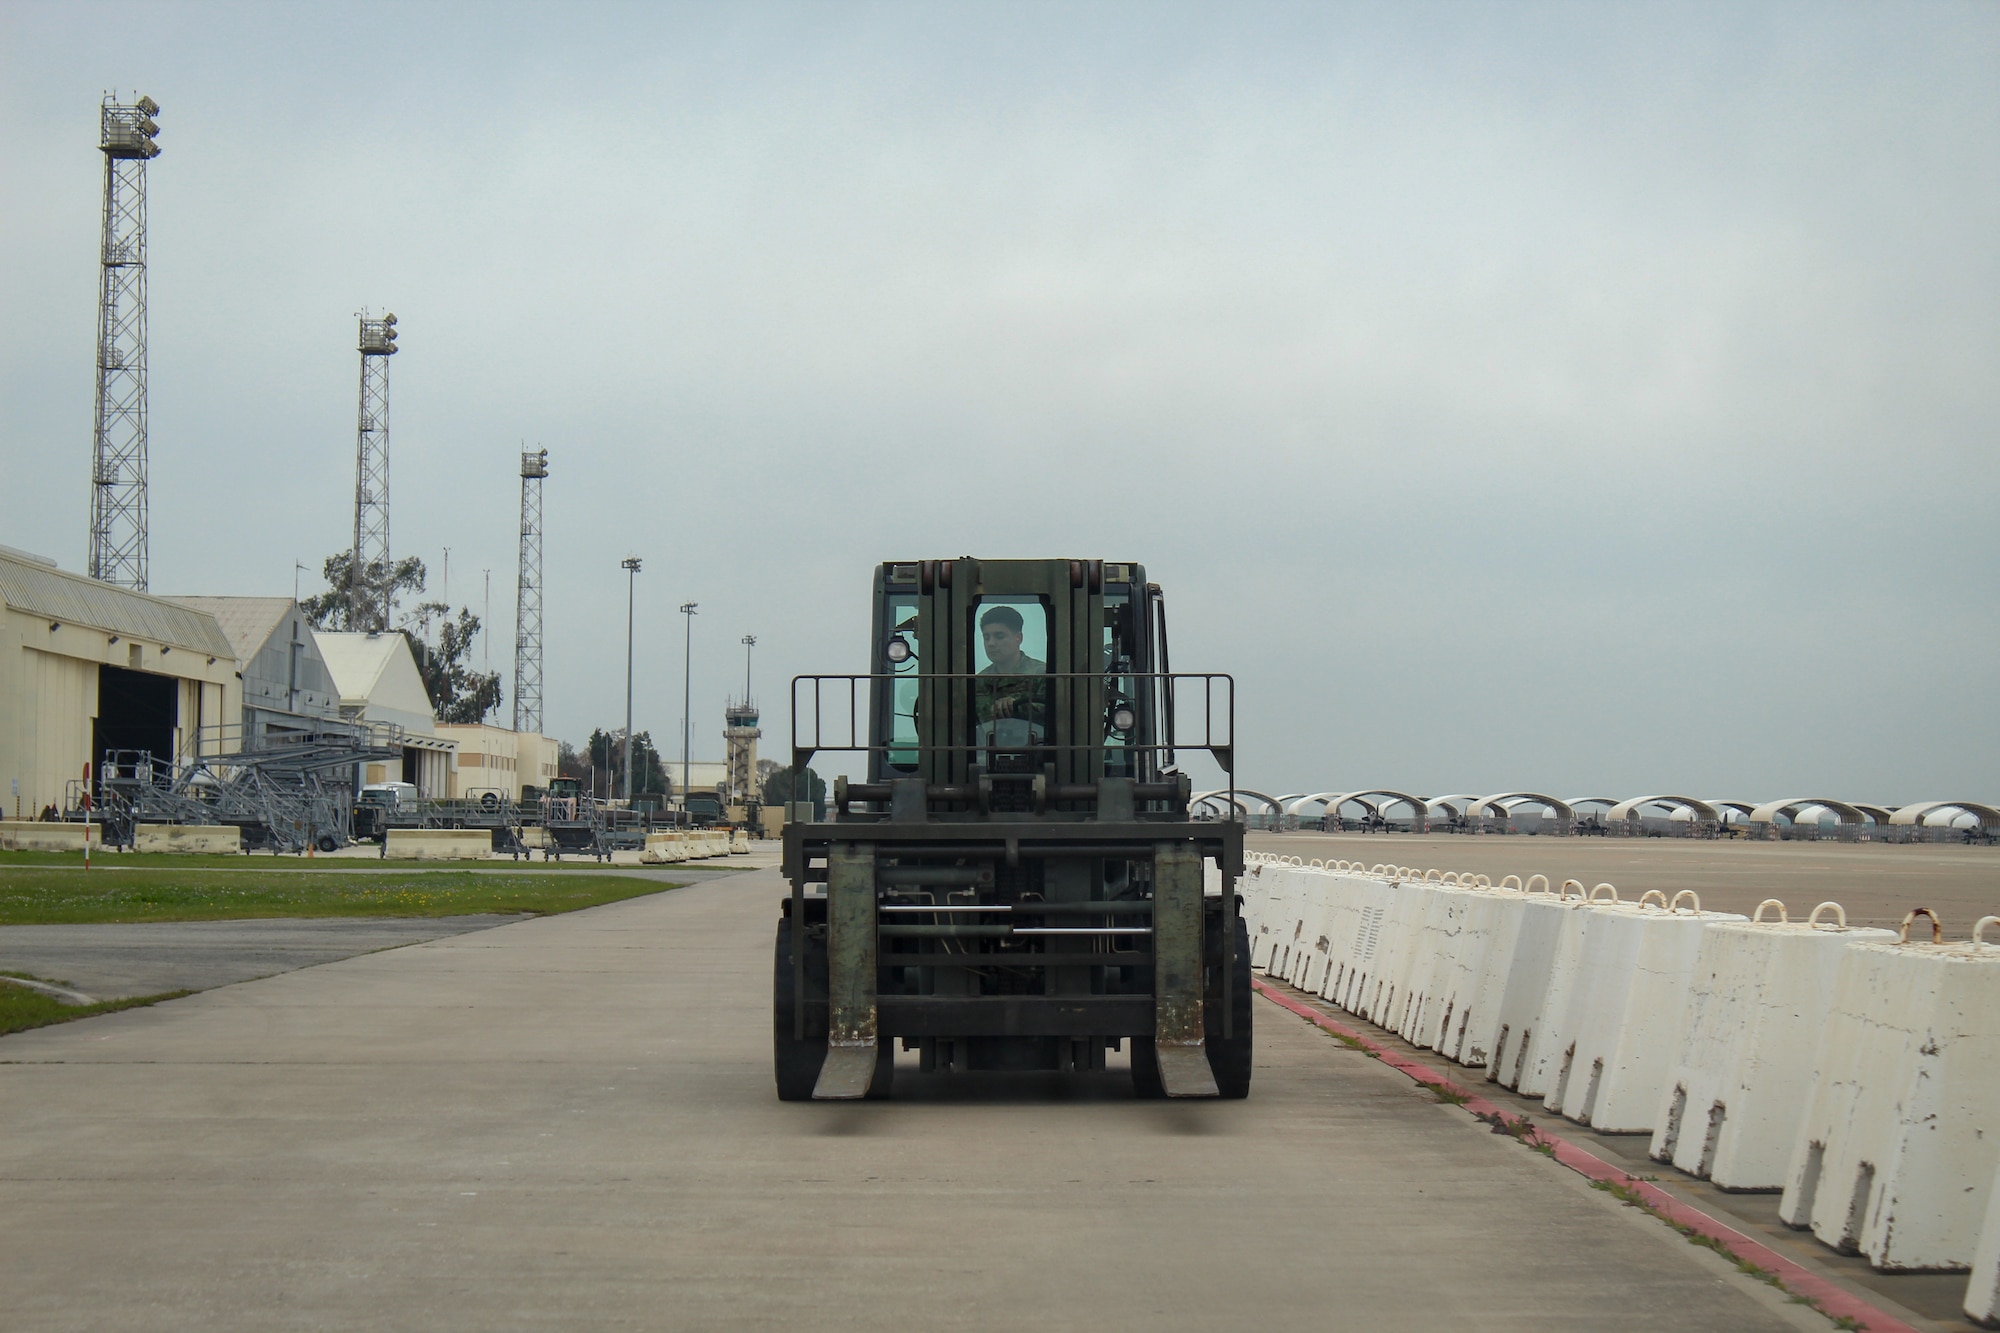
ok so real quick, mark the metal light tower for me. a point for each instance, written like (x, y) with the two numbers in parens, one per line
(528, 597)
(687, 697)
(630, 564)
(368, 608)
(118, 529)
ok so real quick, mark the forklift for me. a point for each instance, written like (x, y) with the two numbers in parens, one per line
(1018, 885)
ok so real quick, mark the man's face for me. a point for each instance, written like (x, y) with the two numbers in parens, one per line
(1003, 645)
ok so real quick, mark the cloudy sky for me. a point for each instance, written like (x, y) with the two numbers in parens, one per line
(1582, 398)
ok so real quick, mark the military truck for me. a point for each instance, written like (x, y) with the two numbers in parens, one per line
(1017, 885)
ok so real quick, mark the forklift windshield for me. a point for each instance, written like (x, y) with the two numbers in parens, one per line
(1010, 655)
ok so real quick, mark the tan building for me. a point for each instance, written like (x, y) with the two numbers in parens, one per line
(286, 686)
(496, 759)
(376, 679)
(87, 667)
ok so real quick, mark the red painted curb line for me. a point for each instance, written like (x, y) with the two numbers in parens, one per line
(1834, 1301)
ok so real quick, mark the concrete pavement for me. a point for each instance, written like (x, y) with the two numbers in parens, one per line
(570, 1122)
(113, 961)
(1876, 882)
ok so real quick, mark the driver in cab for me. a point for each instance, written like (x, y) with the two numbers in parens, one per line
(1000, 633)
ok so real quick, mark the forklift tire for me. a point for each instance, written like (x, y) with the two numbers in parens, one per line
(884, 1081)
(1229, 1058)
(796, 1063)
(327, 843)
(1147, 1085)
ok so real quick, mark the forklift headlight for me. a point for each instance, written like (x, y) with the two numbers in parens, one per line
(898, 650)
(1123, 718)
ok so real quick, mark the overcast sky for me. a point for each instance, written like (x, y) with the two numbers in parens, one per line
(1588, 399)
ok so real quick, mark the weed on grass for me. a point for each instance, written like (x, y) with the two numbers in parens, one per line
(22, 1009)
(1521, 1129)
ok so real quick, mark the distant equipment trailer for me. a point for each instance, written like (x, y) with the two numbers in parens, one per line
(1018, 885)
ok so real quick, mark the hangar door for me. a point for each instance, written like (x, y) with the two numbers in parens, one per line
(135, 711)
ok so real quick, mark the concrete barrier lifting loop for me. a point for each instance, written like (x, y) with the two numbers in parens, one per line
(1838, 911)
(1482, 881)
(1647, 896)
(1511, 881)
(1379, 869)
(1592, 896)
(1909, 919)
(1430, 875)
(1771, 902)
(1675, 905)
(1979, 928)
(1317, 864)
(1564, 891)
(1531, 883)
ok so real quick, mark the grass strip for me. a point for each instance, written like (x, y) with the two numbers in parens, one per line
(21, 1009)
(36, 896)
(103, 858)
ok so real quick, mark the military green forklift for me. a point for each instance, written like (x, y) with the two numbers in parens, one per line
(1018, 885)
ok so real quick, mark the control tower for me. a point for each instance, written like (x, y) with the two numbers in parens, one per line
(740, 731)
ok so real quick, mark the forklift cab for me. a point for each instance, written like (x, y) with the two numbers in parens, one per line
(993, 672)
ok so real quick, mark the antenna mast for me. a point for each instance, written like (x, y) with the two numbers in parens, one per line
(118, 528)
(528, 598)
(368, 592)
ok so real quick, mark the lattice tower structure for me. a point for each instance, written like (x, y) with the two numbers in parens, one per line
(368, 590)
(528, 597)
(119, 541)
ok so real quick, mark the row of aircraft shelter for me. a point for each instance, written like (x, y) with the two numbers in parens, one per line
(1635, 816)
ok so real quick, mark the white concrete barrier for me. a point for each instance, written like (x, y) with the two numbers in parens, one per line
(664, 848)
(1372, 916)
(1448, 932)
(1483, 991)
(1448, 1009)
(1539, 981)
(1402, 936)
(1897, 1149)
(1344, 891)
(1288, 902)
(1256, 887)
(32, 835)
(1631, 987)
(440, 844)
(1312, 963)
(214, 839)
(1982, 1290)
(1742, 1063)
